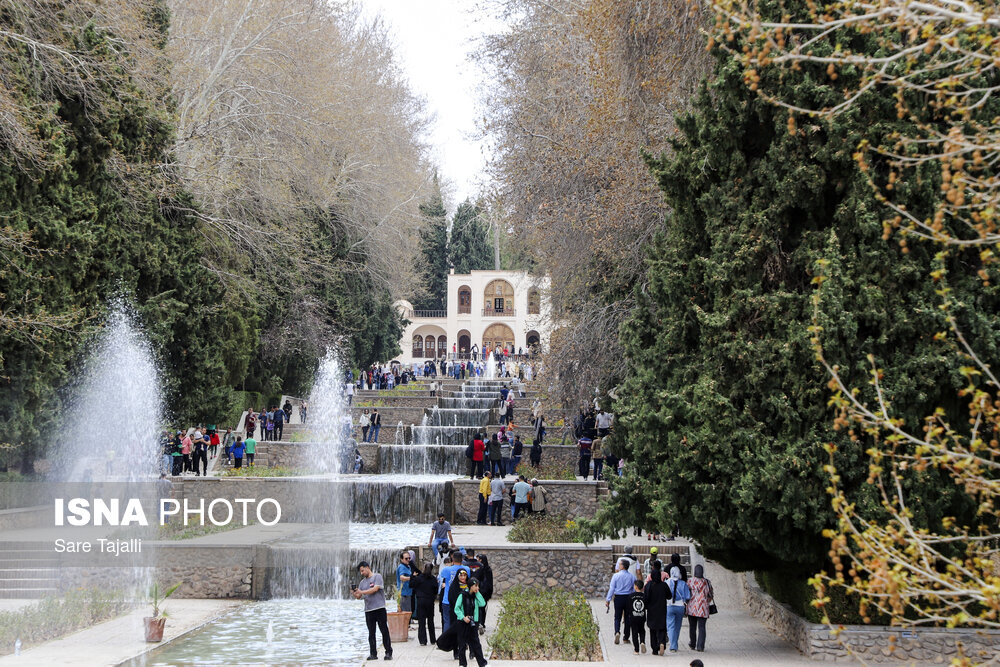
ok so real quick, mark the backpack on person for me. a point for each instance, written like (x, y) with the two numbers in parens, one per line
(470, 451)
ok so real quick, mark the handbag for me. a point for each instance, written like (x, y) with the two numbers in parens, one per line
(712, 609)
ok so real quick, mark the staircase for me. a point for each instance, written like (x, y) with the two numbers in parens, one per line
(28, 570)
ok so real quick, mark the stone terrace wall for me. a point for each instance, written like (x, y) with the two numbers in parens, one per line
(214, 572)
(867, 643)
(571, 567)
(565, 498)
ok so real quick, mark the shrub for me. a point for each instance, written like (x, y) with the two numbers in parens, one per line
(544, 528)
(262, 471)
(53, 617)
(570, 631)
(545, 470)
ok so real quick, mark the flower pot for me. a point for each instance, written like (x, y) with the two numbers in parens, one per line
(154, 628)
(399, 625)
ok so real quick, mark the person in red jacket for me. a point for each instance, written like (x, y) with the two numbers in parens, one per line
(478, 455)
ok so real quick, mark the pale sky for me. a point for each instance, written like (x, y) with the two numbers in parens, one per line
(433, 41)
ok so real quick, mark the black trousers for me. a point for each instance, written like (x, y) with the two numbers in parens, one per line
(373, 618)
(201, 460)
(278, 428)
(425, 622)
(696, 632)
(468, 636)
(657, 638)
(622, 613)
(584, 465)
(484, 506)
(638, 632)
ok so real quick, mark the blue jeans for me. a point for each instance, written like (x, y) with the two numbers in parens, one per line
(373, 433)
(675, 615)
(598, 467)
(445, 617)
(514, 462)
(505, 468)
(437, 542)
(167, 463)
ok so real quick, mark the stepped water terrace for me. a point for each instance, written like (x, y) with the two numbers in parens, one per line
(306, 579)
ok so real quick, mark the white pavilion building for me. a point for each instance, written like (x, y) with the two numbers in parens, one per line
(484, 309)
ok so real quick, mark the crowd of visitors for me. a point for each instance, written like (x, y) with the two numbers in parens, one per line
(592, 428)
(462, 589)
(658, 599)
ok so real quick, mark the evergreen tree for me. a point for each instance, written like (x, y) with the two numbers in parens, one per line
(434, 252)
(723, 410)
(470, 247)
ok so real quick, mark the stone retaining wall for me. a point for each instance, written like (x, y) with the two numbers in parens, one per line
(565, 498)
(215, 572)
(574, 568)
(867, 643)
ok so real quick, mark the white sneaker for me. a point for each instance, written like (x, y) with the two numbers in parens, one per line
(642, 646)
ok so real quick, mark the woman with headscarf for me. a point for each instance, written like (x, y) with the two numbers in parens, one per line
(679, 595)
(459, 585)
(702, 596)
(485, 576)
(656, 593)
(424, 586)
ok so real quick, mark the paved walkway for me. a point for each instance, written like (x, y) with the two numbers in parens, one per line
(120, 639)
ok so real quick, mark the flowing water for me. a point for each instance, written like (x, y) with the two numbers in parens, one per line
(112, 425)
(305, 632)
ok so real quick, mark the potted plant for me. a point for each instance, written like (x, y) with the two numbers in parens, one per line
(399, 622)
(154, 624)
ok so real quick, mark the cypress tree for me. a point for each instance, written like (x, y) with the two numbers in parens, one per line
(723, 410)
(470, 247)
(434, 252)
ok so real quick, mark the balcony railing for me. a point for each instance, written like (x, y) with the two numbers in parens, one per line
(492, 312)
(430, 313)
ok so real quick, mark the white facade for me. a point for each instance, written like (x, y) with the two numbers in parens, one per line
(484, 308)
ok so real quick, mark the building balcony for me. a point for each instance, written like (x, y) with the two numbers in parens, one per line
(491, 312)
(430, 313)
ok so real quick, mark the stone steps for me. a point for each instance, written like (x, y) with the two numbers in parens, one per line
(28, 570)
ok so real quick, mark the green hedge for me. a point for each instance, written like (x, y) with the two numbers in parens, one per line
(793, 589)
(51, 618)
(545, 624)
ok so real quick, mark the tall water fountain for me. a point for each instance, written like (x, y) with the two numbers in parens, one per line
(111, 427)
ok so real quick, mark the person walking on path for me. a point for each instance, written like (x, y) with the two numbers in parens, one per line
(424, 586)
(440, 534)
(679, 595)
(238, 450)
(279, 424)
(227, 443)
(620, 591)
(468, 611)
(404, 574)
(251, 450)
(597, 456)
(698, 611)
(637, 617)
(445, 577)
(485, 577)
(584, 445)
(201, 456)
(372, 590)
(536, 454)
(484, 499)
(655, 593)
(496, 501)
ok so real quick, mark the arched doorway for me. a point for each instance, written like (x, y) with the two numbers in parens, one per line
(533, 340)
(498, 334)
(464, 341)
(498, 299)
